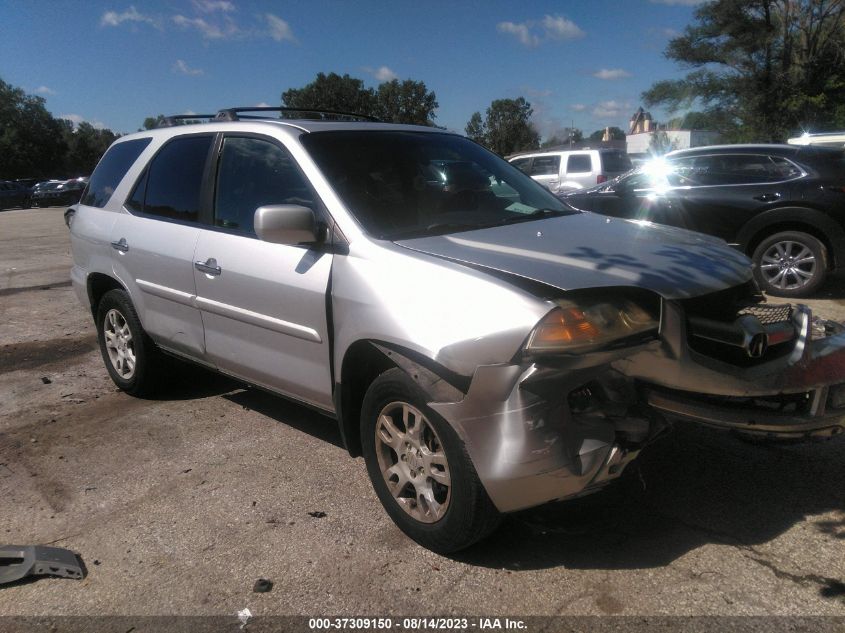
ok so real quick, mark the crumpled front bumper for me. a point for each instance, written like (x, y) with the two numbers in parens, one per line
(529, 445)
(682, 383)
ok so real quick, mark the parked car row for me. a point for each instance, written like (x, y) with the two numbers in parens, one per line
(26, 192)
(783, 205)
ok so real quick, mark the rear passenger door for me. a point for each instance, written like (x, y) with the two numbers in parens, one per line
(546, 171)
(153, 244)
(263, 305)
(579, 172)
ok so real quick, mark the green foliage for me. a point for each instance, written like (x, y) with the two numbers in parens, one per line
(85, 146)
(507, 127)
(394, 101)
(405, 102)
(31, 141)
(616, 134)
(660, 144)
(761, 70)
(563, 137)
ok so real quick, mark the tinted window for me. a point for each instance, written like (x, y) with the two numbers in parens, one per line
(521, 163)
(408, 184)
(111, 170)
(546, 166)
(579, 164)
(734, 169)
(172, 186)
(253, 173)
(615, 161)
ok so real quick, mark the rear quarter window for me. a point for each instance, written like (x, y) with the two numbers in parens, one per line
(111, 170)
(615, 162)
(579, 164)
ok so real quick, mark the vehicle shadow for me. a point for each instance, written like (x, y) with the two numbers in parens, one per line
(696, 486)
(289, 413)
(834, 289)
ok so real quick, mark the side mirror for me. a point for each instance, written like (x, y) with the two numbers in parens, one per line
(286, 224)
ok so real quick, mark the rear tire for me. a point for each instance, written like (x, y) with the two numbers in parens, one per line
(131, 358)
(420, 469)
(790, 264)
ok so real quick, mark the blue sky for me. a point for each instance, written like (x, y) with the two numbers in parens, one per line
(114, 63)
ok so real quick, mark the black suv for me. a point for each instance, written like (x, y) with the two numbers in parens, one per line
(783, 205)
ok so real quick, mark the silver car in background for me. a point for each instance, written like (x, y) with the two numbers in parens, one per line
(484, 347)
(560, 171)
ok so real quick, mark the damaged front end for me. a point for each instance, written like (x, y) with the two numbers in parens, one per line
(560, 422)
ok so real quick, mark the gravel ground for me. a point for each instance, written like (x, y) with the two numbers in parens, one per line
(177, 505)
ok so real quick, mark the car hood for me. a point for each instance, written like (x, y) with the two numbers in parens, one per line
(593, 251)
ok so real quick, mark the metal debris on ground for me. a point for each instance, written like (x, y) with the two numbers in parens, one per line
(20, 561)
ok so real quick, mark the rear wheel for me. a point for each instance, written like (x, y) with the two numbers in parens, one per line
(790, 264)
(130, 356)
(419, 468)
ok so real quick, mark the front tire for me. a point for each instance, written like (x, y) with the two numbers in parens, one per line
(420, 469)
(130, 356)
(790, 264)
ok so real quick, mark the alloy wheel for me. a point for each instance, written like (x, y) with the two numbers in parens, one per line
(788, 265)
(412, 461)
(119, 344)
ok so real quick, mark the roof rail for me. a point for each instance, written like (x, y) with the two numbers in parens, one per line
(234, 114)
(174, 119)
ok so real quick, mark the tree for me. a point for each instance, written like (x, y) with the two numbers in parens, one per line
(616, 134)
(332, 92)
(660, 144)
(394, 101)
(405, 102)
(507, 127)
(763, 68)
(563, 137)
(86, 144)
(31, 142)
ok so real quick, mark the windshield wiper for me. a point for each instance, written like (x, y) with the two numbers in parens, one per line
(537, 215)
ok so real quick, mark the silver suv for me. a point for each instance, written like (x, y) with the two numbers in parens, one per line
(484, 347)
(562, 171)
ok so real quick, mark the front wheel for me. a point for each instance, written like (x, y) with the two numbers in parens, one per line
(790, 264)
(420, 469)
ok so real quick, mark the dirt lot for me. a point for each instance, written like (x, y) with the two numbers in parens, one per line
(177, 505)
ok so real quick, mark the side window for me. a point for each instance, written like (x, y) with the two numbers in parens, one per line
(782, 169)
(111, 170)
(579, 164)
(253, 173)
(546, 166)
(522, 164)
(172, 185)
(733, 169)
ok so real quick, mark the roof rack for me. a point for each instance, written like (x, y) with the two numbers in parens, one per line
(170, 121)
(234, 114)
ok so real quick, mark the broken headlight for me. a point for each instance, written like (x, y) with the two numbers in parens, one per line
(588, 324)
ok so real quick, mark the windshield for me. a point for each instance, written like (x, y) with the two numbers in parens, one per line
(409, 184)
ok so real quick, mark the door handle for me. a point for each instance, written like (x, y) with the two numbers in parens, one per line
(120, 245)
(767, 197)
(209, 267)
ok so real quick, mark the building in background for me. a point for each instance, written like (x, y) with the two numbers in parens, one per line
(643, 131)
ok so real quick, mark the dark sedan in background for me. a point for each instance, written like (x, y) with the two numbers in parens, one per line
(58, 193)
(783, 205)
(13, 194)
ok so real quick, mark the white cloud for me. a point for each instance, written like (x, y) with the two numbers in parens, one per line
(611, 110)
(532, 33)
(685, 3)
(279, 29)
(611, 73)
(578, 107)
(560, 28)
(76, 119)
(113, 18)
(382, 73)
(181, 66)
(262, 104)
(212, 6)
(44, 90)
(208, 30)
(522, 32)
